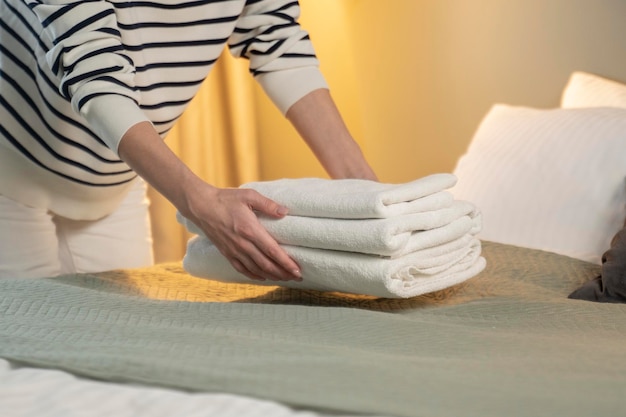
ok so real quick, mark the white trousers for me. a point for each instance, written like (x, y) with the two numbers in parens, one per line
(35, 243)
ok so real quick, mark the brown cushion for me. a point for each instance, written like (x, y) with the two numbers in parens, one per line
(610, 286)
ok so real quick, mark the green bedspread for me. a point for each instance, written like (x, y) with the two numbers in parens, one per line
(506, 343)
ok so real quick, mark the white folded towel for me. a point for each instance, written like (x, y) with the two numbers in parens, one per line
(393, 236)
(362, 237)
(416, 273)
(355, 198)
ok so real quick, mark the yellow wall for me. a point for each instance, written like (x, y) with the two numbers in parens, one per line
(413, 78)
(377, 82)
(282, 152)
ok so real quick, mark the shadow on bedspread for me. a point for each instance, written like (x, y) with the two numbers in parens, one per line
(508, 342)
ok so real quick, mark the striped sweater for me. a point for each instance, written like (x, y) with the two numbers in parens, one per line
(76, 74)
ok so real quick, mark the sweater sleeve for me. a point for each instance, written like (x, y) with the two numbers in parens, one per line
(281, 55)
(83, 49)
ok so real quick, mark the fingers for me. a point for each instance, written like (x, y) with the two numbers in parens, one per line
(261, 268)
(232, 225)
(242, 269)
(257, 266)
(265, 205)
(262, 256)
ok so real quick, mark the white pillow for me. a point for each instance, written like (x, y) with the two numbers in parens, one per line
(548, 179)
(589, 90)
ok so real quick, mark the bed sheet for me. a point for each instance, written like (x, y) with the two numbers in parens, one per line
(36, 392)
(507, 342)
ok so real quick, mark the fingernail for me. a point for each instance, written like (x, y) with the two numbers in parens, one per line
(282, 210)
(297, 273)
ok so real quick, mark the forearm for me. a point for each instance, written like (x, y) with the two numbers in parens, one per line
(319, 123)
(226, 216)
(146, 153)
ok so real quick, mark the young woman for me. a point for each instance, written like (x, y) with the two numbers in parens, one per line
(88, 90)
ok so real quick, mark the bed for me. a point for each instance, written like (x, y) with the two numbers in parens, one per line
(509, 341)
(158, 341)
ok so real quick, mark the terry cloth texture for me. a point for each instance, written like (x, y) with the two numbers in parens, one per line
(402, 240)
(413, 274)
(354, 198)
(393, 236)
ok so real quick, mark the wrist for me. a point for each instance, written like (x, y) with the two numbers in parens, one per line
(195, 195)
(351, 164)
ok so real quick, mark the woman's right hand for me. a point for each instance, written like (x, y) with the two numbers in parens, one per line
(228, 217)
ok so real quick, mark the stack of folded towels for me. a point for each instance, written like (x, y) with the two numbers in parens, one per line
(361, 237)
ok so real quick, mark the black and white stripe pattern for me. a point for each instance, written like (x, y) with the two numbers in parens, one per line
(75, 74)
